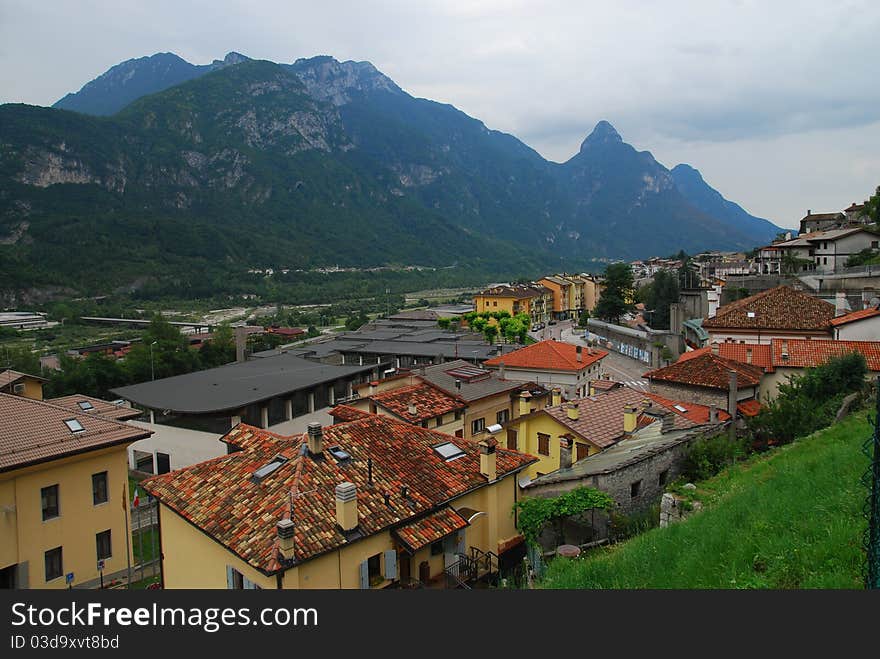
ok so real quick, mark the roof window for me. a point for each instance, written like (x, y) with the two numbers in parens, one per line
(85, 405)
(680, 408)
(339, 454)
(448, 451)
(268, 468)
(73, 425)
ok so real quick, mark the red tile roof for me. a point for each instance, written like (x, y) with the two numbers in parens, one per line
(220, 497)
(760, 353)
(33, 431)
(708, 370)
(690, 354)
(749, 407)
(100, 407)
(347, 413)
(854, 316)
(549, 355)
(698, 414)
(604, 385)
(804, 353)
(429, 401)
(422, 532)
(780, 308)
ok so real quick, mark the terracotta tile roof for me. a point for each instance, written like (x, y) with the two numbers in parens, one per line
(760, 353)
(33, 431)
(804, 353)
(347, 413)
(429, 401)
(422, 532)
(854, 316)
(690, 354)
(708, 370)
(99, 407)
(549, 355)
(605, 385)
(600, 417)
(222, 499)
(9, 376)
(749, 407)
(780, 308)
(699, 414)
(519, 292)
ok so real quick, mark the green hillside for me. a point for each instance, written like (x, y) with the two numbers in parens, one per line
(788, 519)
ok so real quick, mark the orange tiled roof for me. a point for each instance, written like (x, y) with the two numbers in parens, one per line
(780, 308)
(100, 407)
(605, 385)
(347, 413)
(549, 355)
(749, 407)
(690, 354)
(854, 316)
(221, 498)
(760, 353)
(422, 532)
(429, 401)
(33, 431)
(708, 370)
(698, 414)
(804, 353)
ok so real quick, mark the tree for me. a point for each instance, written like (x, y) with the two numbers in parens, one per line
(617, 296)
(444, 323)
(664, 291)
(872, 206)
(490, 332)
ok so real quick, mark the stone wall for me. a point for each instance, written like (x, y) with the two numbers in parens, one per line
(698, 395)
(674, 508)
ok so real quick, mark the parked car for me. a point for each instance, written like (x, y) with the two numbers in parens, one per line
(552, 322)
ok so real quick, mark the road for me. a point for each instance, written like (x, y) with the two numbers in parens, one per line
(619, 367)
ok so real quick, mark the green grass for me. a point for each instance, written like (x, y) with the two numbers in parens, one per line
(150, 548)
(788, 519)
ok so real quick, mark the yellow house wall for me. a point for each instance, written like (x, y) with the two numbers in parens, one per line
(527, 440)
(8, 528)
(488, 303)
(488, 409)
(79, 519)
(33, 389)
(193, 560)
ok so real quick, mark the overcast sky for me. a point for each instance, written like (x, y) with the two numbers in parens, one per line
(777, 103)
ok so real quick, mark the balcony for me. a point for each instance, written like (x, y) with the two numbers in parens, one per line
(478, 569)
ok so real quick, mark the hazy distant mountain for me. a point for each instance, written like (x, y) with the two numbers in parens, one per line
(308, 164)
(690, 183)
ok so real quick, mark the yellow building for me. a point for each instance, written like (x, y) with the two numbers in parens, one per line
(566, 432)
(63, 494)
(21, 384)
(370, 503)
(531, 299)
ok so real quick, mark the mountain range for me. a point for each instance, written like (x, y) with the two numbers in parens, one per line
(164, 170)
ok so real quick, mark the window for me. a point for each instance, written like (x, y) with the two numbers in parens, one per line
(511, 439)
(457, 415)
(425, 423)
(635, 489)
(437, 548)
(374, 569)
(103, 545)
(543, 444)
(875, 244)
(85, 405)
(824, 260)
(54, 566)
(663, 478)
(582, 451)
(99, 488)
(448, 451)
(502, 416)
(235, 580)
(494, 303)
(74, 425)
(478, 426)
(49, 498)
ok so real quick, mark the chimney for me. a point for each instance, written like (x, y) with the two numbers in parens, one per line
(458, 384)
(809, 212)
(840, 303)
(715, 349)
(713, 414)
(412, 410)
(630, 416)
(316, 438)
(240, 343)
(346, 506)
(564, 452)
(667, 423)
(556, 397)
(487, 458)
(572, 411)
(501, 370)
(285, 529)
(580, 354)
(524, 405)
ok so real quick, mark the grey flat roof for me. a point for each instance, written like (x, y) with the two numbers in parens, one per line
(470, 391)
(235, 385)
(417, 349)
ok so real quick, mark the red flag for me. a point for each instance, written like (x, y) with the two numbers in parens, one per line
(137, 498)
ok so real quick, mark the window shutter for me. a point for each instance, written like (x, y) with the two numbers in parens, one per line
(391, 564)
(365, 575)
(230, 580)
(248, 584)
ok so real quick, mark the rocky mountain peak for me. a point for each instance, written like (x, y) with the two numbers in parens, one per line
(604, 133)
(328, 79)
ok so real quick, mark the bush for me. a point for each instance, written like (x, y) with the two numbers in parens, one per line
(709, 456)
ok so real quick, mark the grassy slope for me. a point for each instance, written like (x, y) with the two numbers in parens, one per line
(791, 519)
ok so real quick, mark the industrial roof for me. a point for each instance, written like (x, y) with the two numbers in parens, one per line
(236, 385)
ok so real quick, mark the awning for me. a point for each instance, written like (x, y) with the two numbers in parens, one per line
(424, 531)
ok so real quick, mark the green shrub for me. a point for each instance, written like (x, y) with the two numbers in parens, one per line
(709, 456)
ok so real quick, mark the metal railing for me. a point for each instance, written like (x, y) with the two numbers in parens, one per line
(471, 568)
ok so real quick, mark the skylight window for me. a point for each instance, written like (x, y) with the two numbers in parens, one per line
(448, 451)
(73, 425)
(85, 405)
(268, 468)
(680, 408)
(750, 314)
(339, 454)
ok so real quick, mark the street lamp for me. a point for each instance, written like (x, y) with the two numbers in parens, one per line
(152, 369)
